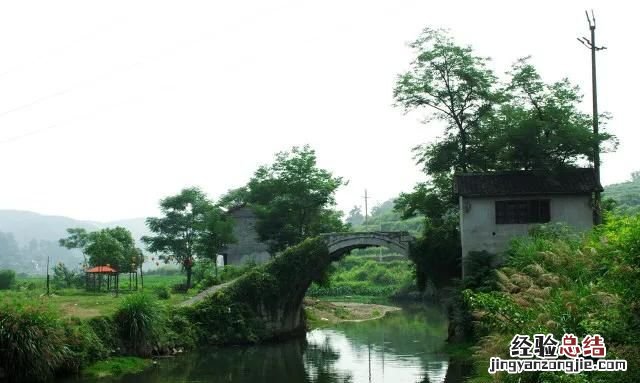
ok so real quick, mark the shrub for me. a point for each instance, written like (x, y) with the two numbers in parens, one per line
(32, 342)
(84, 345)
(106, 330)
(179, 288)
(63, 277)
(138, 320)
(208, 281)
(162, 292)
(178, 332)
(7, 279)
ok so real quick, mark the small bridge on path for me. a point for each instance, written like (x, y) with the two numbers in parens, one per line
(271, 295)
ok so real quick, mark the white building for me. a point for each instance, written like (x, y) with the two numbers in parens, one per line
(495, 207)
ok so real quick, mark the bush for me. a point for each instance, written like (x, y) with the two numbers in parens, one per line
(32, 342)
(557, 282)
(84, 346)
(64, 278)
(162, 292)
(7, 279)
(179, 288)
(138, 320)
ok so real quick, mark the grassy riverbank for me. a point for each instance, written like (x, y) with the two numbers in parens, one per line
(117, 366)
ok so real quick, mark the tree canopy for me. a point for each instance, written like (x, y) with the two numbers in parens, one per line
(110, 246)
(521, 123)
(190, 226)
(293, 198)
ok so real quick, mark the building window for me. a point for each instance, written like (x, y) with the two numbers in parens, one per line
(523, 211)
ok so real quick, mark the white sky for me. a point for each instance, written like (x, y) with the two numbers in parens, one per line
(106, 107)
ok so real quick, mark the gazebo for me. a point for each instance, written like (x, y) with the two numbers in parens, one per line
(94, 278)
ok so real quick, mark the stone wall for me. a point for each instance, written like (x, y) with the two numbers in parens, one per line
(248, 246)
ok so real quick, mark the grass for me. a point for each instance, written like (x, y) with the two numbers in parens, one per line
(365, 275)
(84, 304)
(116, 366)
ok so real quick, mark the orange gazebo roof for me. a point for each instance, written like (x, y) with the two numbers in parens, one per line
(102, 269)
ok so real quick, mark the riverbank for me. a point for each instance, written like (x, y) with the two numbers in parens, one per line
(322, 313)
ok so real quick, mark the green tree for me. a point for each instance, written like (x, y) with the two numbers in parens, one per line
(540, 126)
(63, 277)
(454, 84)
(521, 125)
(191, 226)
(78, 239)
(112, 246)
(355, 217)
(105, 249)
(293, 199)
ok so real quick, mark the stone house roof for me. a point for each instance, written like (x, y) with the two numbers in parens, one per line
(520, 183)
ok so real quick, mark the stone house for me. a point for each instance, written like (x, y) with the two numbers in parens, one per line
(495, 207)
(248, 247)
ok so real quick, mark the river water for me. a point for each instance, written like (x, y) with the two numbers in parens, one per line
(404, 346)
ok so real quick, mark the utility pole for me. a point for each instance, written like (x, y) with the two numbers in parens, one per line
(47, 275)
(366, 210)
(591, 45)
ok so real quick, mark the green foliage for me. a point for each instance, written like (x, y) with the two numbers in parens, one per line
(191, 227)
(162, 292)
(436, 254)
(626, 195)
(481, 275)
(84, 345)
(32, 342)
(456, 85)
(7, 279)
(109, 246)
(523, 124)
(293, 199)
(116, 366)
(238, 313)
(65, 278)
(385, 218)
(365, 276)
(137, 319)
(558, 282)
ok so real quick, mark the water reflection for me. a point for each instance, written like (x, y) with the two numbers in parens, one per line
(403, 347)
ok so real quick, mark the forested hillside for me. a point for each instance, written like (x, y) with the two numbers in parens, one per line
(383, 217)
(27, 238)
(626, 195)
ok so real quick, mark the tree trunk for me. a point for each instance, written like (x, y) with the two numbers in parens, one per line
(188, 277)
(463, 150)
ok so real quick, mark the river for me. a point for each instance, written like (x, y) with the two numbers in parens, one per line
(403, 347)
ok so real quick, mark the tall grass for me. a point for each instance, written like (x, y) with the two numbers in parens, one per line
(32, 342)
(556, 282)
(138, 319)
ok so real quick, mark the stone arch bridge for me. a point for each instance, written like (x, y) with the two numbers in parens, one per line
(340, 244)
(272, 295)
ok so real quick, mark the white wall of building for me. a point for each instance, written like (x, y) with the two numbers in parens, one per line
(479, 231)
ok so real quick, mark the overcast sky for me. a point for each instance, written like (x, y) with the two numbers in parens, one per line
(106, 107)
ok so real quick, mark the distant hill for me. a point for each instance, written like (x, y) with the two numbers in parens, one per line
(27, 238)
(626, 195)
(27, 225)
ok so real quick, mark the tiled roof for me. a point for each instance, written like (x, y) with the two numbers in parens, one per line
(568, 181)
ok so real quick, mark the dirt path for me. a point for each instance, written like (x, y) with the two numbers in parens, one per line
(206, 293)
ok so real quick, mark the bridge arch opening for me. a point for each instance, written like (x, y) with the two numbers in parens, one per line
(340, 244)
